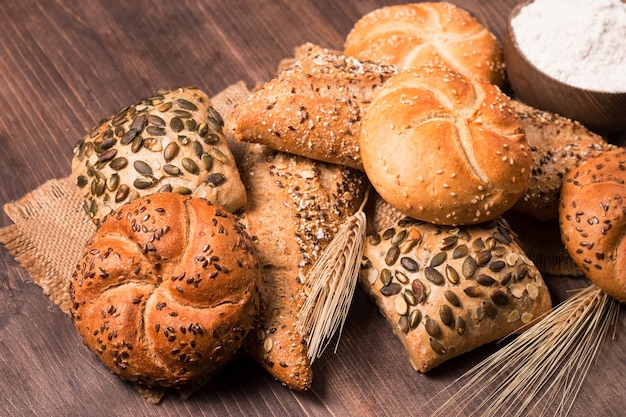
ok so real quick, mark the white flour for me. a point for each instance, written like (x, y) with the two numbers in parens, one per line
(579, 42)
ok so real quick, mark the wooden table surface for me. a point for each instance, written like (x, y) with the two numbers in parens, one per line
(66, 64)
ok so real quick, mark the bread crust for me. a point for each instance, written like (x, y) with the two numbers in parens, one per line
(295, 207)
(557, 144)
(171, 141)
(429, 33)
(313, 108)
(443, 148)
(592, 218)
(166, 290)
(447, 290)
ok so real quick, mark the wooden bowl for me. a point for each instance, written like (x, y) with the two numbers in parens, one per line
(600, 111)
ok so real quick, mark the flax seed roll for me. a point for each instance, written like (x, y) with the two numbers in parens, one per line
(592, 218)
(429, 33)
(166, 290)
(443, 148)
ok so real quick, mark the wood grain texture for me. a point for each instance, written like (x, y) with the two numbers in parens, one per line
(66, 64)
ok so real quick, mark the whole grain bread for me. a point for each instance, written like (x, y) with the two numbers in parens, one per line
(295, 206)
(312, 108)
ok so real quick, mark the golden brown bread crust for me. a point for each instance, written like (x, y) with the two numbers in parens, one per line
(166, 290)
(592, 218)
(172, 141)
(446, 291)
(557, 144)
(313, 108)
(429, 33)
(443, 148)
(295, 206)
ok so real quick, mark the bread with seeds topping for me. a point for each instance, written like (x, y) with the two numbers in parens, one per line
(557, 144)
(444, 148)
(166, 290)
(295, 208)
(171, 141)
(313, 108)
(447, 290)
(429, 33)
(592, 219)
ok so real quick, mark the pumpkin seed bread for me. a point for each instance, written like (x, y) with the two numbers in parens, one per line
(171, 141)
(447, 290)
(312, 108)
(295, 208)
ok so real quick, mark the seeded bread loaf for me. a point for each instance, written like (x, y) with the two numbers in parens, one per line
(429, 33)
(557, 144)
(443, 148)
(592, 218)
(166, 290)
(295, 206)
(172, 141)
(446, 291)
(313, 108)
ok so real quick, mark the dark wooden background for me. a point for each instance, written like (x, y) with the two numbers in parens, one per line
(64, 65)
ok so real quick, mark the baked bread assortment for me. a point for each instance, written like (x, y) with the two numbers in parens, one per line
(557, 144)
(447, 290)
(166, 290)
(313, 108)
(444, 148)
(172, 141)
(592, 218)
(430, 33)
(295, 206)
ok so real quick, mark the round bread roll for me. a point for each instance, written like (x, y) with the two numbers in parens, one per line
(172, 141)
(592, 218)
(443, 148)
(413, 35)
(166, 289)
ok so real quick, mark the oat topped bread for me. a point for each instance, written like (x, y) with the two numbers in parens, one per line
(313, 108)
(172, 141)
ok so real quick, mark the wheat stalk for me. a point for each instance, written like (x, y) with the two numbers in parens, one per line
(543, 367)
(329, 287)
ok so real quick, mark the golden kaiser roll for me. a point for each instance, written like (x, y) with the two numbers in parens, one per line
(444, 148)
(429, 33)
(592, 217)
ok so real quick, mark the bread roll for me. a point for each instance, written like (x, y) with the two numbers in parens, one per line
(443, 148)
(557, 144)
(166, 290)
(313, 108)
(446, 291)
(592, 218)
(295, 207)
(172, 141)
(430, 33)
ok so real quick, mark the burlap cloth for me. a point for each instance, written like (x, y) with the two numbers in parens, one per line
(50, 229)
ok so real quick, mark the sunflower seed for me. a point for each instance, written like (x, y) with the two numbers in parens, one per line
(483, 257)
(419, 290)
(448, 242)
(155, 130)
(499, 298)
(485, 280)
(490, 309)
(107, 155)
(460, 251)
(469, 267)
(472, 291)
(155, 120)
(438, 259)
(409, 264)
(390, 289)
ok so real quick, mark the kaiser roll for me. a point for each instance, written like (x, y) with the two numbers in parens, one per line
(592, 217)
(166, 289)
(429, 33)
(444, 148)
